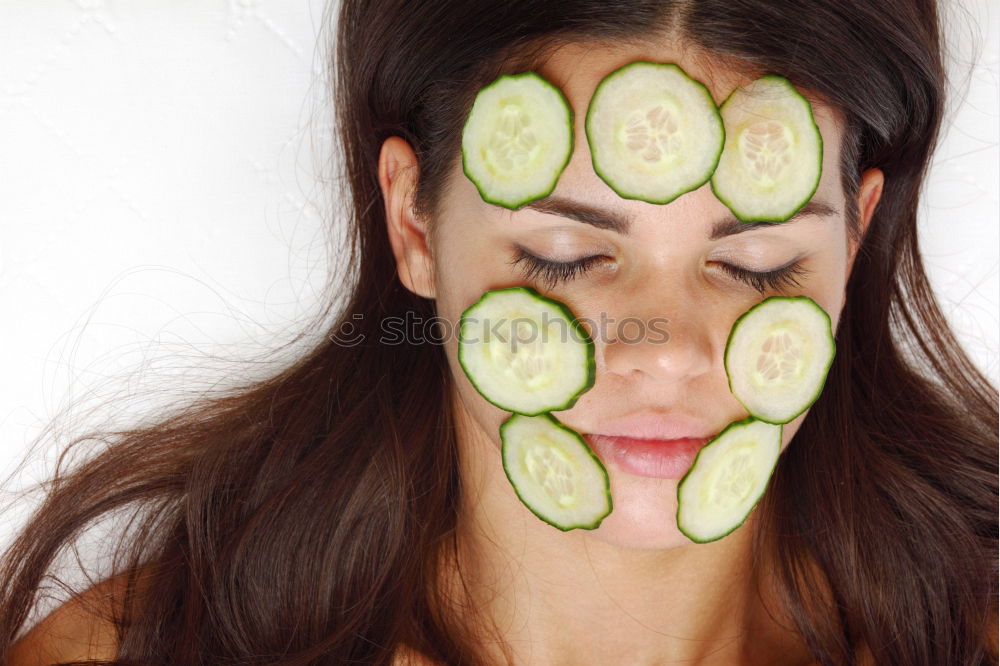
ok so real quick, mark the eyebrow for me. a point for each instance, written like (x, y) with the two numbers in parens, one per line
(622, 224)
(730, 226)
(595, 217)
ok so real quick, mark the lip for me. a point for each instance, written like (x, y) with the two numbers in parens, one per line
(651, 444)
(655, 458)
(656, 425)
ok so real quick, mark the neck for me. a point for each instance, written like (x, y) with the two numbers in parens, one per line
(569, 598)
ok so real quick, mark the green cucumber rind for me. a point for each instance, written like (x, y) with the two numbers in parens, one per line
(570, 119)
(680, 484)
(826, 370)
(819, 138)
(607, 481)
(574, 324)
(593, 158)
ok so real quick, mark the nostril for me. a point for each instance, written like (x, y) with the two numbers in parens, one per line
(665, 355)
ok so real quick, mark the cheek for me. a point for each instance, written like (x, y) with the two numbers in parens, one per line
(465, 266)
(460, 278)
(828, 281)
(467, 262)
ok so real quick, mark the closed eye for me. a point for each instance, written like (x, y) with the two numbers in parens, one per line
(778, 279)
(552, 272)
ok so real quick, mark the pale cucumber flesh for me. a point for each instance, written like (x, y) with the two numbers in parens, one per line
(654, 132)
(554, 472)
(727, 479)
(517, 139)
(773, 156)
(525, 353)
(778, 355)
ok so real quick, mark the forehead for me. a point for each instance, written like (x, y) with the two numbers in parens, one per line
(576, 68)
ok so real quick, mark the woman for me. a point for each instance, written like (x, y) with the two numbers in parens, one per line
(353, 509)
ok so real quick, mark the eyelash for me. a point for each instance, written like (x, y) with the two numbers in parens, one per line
(554, 272)
(779, 278)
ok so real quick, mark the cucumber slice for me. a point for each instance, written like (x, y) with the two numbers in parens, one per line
(727, 479)
(525, 353)
(773, 157)
(517, 139)
(554, 472)
(654, 132)
(778, 355)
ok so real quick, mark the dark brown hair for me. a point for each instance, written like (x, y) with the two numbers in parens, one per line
(305, 518)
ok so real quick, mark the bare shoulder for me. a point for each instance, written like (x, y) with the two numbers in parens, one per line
(78, 630)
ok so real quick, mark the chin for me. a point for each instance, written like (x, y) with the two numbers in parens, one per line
(644, 514)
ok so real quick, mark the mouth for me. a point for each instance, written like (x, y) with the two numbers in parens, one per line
(653, 458)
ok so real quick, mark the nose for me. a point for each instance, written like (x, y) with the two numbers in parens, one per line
(665, 347)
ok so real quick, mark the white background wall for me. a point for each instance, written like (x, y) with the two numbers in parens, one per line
(159, 194)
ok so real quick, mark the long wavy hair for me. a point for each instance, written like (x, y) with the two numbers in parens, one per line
(304, 518)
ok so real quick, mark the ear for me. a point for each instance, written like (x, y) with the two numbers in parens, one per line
(869, 193)
(398, 174)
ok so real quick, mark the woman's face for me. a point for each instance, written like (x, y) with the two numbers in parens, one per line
(658, 292)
